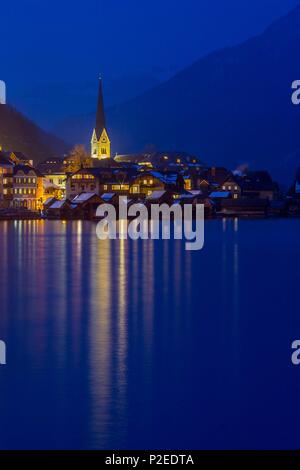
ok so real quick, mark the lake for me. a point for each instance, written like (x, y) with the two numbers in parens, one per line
(122, 344)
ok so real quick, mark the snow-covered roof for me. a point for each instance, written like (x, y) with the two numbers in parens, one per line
(83, 197)
(156, 195)
(107, 196)
(57, 204)
(168, 178)
(220, 194)
(196, 192)
(50, 199)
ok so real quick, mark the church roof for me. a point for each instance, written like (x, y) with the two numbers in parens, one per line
(100, 116)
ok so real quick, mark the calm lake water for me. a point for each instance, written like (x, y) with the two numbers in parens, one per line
(141, 344)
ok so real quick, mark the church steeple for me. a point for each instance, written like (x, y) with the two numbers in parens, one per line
(100, 118)
(100, 141)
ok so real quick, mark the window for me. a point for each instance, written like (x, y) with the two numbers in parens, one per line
(103, 151)
(105, 187)
(235, 196)
(236, 188)
(135, 189)
(224, 188)
(229, 187)
(116, 187)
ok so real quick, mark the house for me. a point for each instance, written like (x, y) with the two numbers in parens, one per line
(231, 184)
(247, 207)
(6, 181)
(259, 184)
(59, 209)
(28, 188)
(148, 182)
(53, 170)
(105, 178)
(84, 206)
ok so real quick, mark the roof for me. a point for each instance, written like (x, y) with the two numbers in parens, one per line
(52, 166)
(49, 200)
(258, 181)
(58, 204)
(156, 195)
(107, 196)
(83, 197)
(21, 156)
(220, 194)
(27, 169)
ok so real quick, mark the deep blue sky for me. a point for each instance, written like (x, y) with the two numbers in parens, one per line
(52, 51)
(59, 39)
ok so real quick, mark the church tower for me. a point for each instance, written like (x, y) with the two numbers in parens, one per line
(100, 143)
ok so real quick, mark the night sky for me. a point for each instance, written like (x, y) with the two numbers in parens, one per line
(59, 39)
(54, 50)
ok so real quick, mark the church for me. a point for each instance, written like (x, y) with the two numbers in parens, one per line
(100, 143)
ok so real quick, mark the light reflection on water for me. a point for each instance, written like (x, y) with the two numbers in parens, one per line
(128, 344)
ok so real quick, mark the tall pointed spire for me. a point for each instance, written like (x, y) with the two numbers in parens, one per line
(100, 119)
(100, 143)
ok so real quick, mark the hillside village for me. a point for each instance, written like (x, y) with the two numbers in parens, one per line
(73, 186)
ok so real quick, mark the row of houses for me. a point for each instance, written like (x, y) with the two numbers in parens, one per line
(21, 185)
(24, 186)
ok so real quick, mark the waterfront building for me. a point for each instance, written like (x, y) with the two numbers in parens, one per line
(6, 181)
(28, 188)
(100, 143)
(53, 170)
(104, 179)
(259, 184)
(147, 182)
(232, 185)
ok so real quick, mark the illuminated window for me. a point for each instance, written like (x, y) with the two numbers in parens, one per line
(236, 188)
(116, 187)
(223, 187)
(235, 196)
(229, 187)
(105, 187)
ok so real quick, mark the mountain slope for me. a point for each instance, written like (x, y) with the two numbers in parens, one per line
(232, 107)
(19, 134)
